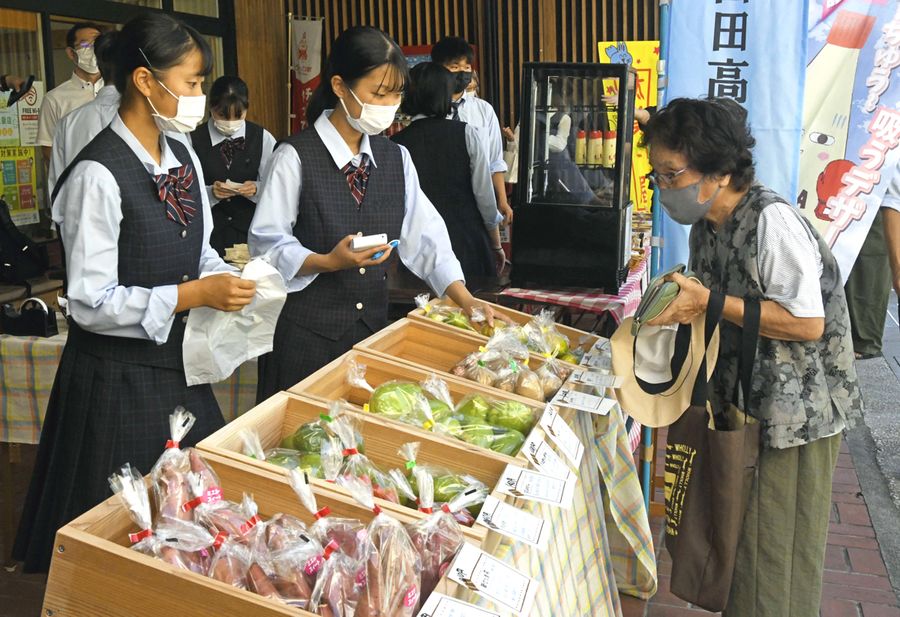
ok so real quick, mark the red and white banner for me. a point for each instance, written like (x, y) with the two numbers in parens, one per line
(306, 67)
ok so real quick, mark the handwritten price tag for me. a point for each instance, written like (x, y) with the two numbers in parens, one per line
(531, 485)
(562, 435)
(492, 579)
(514, 523)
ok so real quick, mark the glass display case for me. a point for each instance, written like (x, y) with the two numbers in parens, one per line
(573, 207)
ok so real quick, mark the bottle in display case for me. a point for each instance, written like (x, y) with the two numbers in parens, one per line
(573, 208)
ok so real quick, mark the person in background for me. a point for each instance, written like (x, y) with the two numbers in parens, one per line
(474, 85)
(868, 287)
(231, 149)
(890, 209)
(456, 55)
(335, 180)
(135, 225)
(748, 242)
(77, 128)
(78, 90)
(456, 177)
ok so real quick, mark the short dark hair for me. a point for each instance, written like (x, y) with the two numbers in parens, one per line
(451, 48)
(229, 96)
(430, 90)
(354, 54)
(72, 34)
(157, 39)
(104, 49)
(712, 134)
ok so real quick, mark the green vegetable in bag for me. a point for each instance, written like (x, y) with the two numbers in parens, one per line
(475, 407)
(511, 415)
(508, 443)
(395, 400)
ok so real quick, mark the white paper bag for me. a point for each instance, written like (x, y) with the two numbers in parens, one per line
(217, 342)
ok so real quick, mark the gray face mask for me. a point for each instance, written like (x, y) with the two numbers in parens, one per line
(683, 204)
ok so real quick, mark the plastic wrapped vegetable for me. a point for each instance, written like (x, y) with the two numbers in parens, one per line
(439, 537)
(510, 415)
(231, 563)
(392, 564)
(349, 534)
(168, 475)
(338, 585)
(498, 439)
(528, 384)
(442, 313)
(439, 398)
(218, 515)
(445, 485)
(294, 558)
(359, 466)
(550, 380)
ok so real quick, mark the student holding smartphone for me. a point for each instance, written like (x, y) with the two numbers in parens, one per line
(331, 182)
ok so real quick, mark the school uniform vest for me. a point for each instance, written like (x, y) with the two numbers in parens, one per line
(438, 149)
(801, 390)
(153, 250)
(232, 216)
(327, 213)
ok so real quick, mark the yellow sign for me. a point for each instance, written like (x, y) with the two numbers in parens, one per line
(18, 183)
(643, 57)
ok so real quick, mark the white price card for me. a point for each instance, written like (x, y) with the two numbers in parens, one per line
(562, 435)
(602, 344)
(543, 457)
(597, 360)
(534, 486)
(585, 377)
(582, 401)
(492, 579)
(439, 605)
(514, 523)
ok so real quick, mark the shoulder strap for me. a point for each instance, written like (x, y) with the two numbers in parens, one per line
(749, 338)
(714, 309)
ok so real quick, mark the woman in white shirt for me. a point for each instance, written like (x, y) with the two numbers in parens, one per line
(335, 180)
(135, 226)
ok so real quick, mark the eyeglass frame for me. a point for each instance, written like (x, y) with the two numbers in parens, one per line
(667, 179)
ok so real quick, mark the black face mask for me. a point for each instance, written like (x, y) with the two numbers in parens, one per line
(463, 79)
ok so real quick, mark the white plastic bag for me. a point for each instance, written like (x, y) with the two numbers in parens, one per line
(217, 342)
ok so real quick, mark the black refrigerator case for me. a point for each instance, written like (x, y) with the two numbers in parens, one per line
(572, 225)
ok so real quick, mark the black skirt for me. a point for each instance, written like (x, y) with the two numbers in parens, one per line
(297, 353)
(101, 414)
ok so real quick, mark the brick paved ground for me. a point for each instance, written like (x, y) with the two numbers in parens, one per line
(856, 582)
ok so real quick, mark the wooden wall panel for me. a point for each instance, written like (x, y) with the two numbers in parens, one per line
(260, 34)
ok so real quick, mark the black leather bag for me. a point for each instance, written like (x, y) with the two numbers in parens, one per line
(34, 318)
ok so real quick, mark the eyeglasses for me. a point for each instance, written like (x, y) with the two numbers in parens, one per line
(659, 179)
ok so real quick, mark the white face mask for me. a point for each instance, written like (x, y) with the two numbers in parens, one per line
(188, 114)
(373, 119)
(87, 60)
(228, 127)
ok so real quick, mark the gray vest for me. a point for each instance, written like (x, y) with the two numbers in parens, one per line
(153, 250)
(334, 301)
(801, 390)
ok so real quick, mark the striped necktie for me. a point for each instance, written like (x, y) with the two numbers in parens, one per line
(454, 108)
(174, 191)
(358, 178)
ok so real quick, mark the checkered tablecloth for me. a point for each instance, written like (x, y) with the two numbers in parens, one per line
(28, 367)
(603, 545)
(619, 305)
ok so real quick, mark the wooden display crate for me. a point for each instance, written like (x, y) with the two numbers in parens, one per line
(93, 572)
(283, 413)
(574, 335)
(432, 346)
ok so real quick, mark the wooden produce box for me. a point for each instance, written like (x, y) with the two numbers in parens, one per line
(329, 383)
(435, 347)
(94, 573)
(283, 413)
(574, 335)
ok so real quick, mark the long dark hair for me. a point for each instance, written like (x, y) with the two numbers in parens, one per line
(229, 96)
(159, 39)
(356, 52)
(430, 90)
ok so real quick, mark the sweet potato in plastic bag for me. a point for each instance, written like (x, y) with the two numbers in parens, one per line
(168, 475)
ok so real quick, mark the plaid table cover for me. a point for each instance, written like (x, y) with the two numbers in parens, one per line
(28, 367)
(620, 305)
(603, 545)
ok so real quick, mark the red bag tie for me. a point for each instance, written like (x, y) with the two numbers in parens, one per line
(210, 495)
(350, 451)
(251, 523)
(141, 535)
(427, 510)
(219, 539)
(330, 548)
(446, 508)
(376, 510)
(322, 513)
(172, 444)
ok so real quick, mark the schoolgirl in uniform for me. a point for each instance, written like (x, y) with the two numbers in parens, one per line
(335, 180)
(135, 225)
(231, 148)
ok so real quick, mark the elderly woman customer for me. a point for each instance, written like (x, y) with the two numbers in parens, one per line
(748, 242)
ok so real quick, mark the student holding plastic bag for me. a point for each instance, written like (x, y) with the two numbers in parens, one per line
(135, 224)
(331, 182)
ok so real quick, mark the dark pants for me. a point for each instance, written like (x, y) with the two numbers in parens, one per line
(868, 289)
